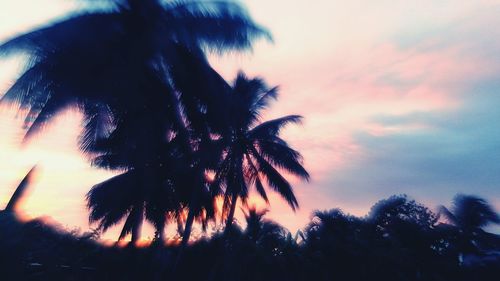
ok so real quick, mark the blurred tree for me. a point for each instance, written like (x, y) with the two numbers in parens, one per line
(469, 215)
(132, 58)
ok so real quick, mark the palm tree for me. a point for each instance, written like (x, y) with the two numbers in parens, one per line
(470, 213)
(138, 147)
(109, 56)
(155, 183)
(260, 230)
(112, 62)
(253, 151)
(257, 246)
(329, 229)
(125, 196)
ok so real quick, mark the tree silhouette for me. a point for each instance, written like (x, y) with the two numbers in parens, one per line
(409, 228)
(389, 214)
(470, 213)
(253, 151)
(114, 63)
(395, 242)
(260, 230)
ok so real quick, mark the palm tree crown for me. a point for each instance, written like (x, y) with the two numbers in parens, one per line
(252, 151)
(122, 56)
(470, 212)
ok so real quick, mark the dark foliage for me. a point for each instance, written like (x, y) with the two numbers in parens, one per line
(155, 110)
(252, 153)
(399, 240)
(138, 72)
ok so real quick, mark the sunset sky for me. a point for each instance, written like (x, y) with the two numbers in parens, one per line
(398, 97)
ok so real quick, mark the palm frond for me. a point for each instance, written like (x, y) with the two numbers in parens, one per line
(30, 83)
(48, 111)
(128, 226)
(276, 180)
(473, 212)
(112, 199)
(283, 157)
(249, 98)
(256, 179)
(77, 30)
(97, 125)
(273, 127)
(112, 161)
(447, 214)
(263, 101)
(216, 25)
(202, 102)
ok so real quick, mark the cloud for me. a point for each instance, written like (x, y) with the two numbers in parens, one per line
(459, 154)
(411, 112)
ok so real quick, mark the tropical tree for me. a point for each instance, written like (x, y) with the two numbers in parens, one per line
(470, 213)
(111, 57)
(154, 171)
(113, 63)
(334, 224)
(399, 213)
(260, 230)
(124, 196)
(259, 245)
(252, 151)
(340, 242)
(410, 229)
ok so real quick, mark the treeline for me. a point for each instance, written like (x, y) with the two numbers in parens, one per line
(399, 239)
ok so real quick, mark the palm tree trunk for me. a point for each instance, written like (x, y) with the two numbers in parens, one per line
(184, 136)
(230, 217)
(161, 230)
(137, 227)
(190, 220)
(161, 236)
(195, 198)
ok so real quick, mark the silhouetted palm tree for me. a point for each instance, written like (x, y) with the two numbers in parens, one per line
(260, 230)
(470, 213)
(124, 196)
(157, 183)
(338, 241)
(110, 56)
(112, 62)
(253, 151)
(333, 229)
